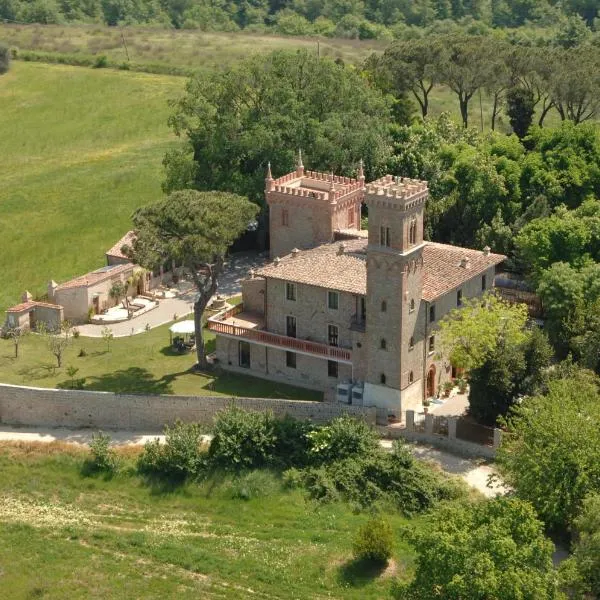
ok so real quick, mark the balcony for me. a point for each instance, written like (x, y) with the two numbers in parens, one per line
(236, 323)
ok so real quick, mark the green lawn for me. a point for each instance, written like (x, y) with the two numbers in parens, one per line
(143, 363)
(81, 148)
(63, 535)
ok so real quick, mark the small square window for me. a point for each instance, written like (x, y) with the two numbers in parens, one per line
(290, 360)
(411, 377)
(382, 378)
(432, 313)
(412, 305)
(332, 368)
(459, 300)
(383, 306)
(333, 300)
(383, 344)
(290, 291)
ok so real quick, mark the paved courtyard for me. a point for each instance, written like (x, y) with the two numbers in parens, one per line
(230, 283)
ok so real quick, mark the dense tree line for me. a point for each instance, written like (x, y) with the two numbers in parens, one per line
(363, 19)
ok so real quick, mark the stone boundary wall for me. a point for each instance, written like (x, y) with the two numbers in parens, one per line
(448, 442)
(43, 407)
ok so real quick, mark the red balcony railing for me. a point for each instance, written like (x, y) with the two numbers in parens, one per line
(260, 336)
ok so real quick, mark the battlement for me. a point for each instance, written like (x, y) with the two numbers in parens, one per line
(399, 192)
(315, 185)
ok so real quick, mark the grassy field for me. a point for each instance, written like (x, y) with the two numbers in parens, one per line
(81, 149)
(143, 363)
(64, 535)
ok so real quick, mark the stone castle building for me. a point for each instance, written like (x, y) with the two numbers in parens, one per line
(338, 305)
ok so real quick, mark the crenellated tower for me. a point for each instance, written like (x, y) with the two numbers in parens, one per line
(307, 208)
(394, 290)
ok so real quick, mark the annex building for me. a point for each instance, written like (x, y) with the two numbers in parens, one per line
(338, 305)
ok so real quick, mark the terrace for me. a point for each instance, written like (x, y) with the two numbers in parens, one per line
(235, 323)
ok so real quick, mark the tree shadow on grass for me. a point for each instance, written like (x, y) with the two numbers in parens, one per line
(360, 572)
(134, 380)
(39, 371)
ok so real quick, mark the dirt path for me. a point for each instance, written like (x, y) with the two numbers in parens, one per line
(476, 474)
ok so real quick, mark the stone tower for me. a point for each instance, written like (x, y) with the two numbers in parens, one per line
(394, 290)
(307, 208)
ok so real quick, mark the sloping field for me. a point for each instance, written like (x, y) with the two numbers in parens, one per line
(63, 535)
(81, 148)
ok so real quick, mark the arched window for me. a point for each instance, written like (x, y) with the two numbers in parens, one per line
(383, 344)
(382, 378)
(411, 377)
(412, 304)
(383, 306)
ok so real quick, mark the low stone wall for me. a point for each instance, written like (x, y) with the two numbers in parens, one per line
(446, 441)
(41, 407)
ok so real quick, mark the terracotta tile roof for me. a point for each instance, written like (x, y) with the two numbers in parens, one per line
(31, 304)
(325, 267)
(126, 240)
(95, 276)
(443, 270)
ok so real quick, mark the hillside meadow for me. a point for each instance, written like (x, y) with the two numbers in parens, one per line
(81, 150)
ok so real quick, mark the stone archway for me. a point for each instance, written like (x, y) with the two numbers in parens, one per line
(431, 382)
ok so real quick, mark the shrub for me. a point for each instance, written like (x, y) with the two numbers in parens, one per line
(180, 457)
(104, 458)
(374, 542)
(345, 437)
(242, 440)
(101, 62)
(292, 442)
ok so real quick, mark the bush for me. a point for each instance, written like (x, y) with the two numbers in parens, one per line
(292, 442)
(242, 440)
(374, 542)
(345, 437)
(101, 62)
(180, 457)
(104, 458)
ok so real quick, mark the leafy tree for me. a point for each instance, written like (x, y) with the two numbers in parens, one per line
(494, 549)
(16, 334)
(117, 291)
(194, 230)
(581, 572)
(475, 331)
(411, 65)
(506, 374)
(374, 541)
(520, 107)
(264, 109)
(551, 456)
(4, 59)
(71, 372)
(57, 340)
(465, 68)
(107, 336)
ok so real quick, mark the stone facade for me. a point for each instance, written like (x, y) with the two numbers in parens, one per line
(40, 407)
(364, 310)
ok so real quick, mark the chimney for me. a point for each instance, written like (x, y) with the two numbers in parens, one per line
(276, 261)
(26, 297)
(295, 252)
(52, 285)
(465, 263)
(299, 165)
(486, 251)
(269, 179)
(341, 249)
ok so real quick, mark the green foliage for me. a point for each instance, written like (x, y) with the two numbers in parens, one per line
(581, 573)
(551, 455)
(494, 549)
(4, 59)
(265, 108)
(242, 440)
(179, 458)
(507, 373)
(376, 476)
(104, 458)
(195, 230)
(520, 107)
(374, 542)
(473, 332)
